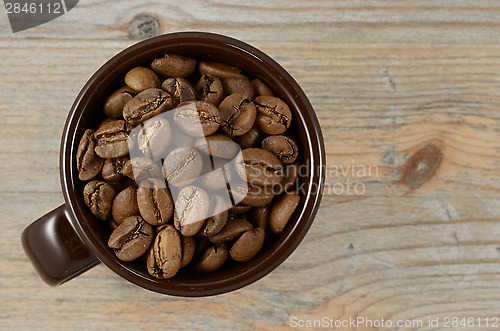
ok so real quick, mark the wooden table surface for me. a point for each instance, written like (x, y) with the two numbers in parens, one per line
(408, 89)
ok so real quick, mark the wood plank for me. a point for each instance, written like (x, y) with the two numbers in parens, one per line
(427, 265)
(404, 113)
(461, 22)
(389, 80)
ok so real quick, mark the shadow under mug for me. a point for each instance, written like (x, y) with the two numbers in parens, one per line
(70, 240)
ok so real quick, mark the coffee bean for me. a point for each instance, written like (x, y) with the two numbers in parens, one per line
(217, 145)
(188, 248)
(131, 238)
(182, 166)
(260, 88)
(113, 106)
(105, 121)
(216, 223)
(237, 114)
(209, 89)
(155, 201)
(125, 204)
(220, 70)
(239, 208)
(98, 196)
(291, 173)
(175, 66)
(282, 210)
(191, 210)
(259, 217)
(283, 147)
(215, 175)
(141, 168)
(197, 118)
(238, 85)
(273, 115)
(154, 136)
(165, 256)
(258, 167)
(88, 163)
(112, 139)
(248, 245)
(212, 259)
(180, 90)
(112, 171)
(225, 133)
(250, 139)
(255, 196)
(231, 231)
(140, 79)
(145, 105)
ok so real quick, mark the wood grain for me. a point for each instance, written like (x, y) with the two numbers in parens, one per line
(386, 78)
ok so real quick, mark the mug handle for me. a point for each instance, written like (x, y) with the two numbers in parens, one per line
(55, 249)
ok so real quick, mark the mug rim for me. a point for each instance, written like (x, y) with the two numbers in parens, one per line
(308, 207)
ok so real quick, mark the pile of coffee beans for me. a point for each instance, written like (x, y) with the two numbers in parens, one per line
(192, 165)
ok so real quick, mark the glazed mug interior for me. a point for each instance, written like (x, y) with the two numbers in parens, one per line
(86, 112)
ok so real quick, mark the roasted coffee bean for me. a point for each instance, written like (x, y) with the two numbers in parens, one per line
(201, 143)
(125, 204)
(145, 105)
(273, 115)
(247, 245)
(240, 85)
(217, 145)
(197, 118)
(182, 166)
(112, 139)
(154, 137)
(112, 171)
(259, 217)
(215, 223)
(180, 90)
(231, 231)
(255, 196)
(113, 106)
(201, 245)
(140, 79)
(105, 121)
(237, 114)
(172, 65)
(141, 168)
(212, 259)
(155, 201)
(258, 167)
(88, 163)
(209, 89)
(291, 173)
(215, 175)
(98, 196)
(122, 184)
(283, 147)
(165, 256)
(191, 209)
(260, 88)
(188, 248)
(249, 139)
(239, 209)
(282, 210)
(131, 238)
(220, 70)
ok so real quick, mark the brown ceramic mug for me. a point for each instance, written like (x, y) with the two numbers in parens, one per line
(70, 240)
